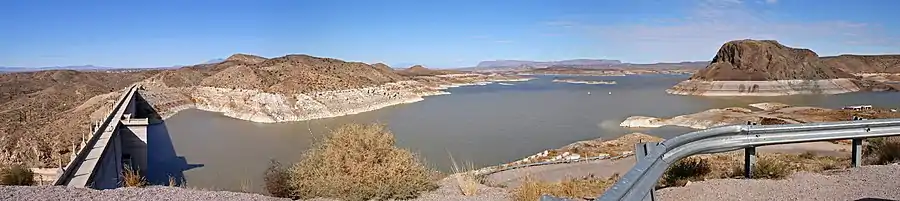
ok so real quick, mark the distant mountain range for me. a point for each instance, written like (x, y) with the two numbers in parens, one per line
(91, 67)
(518, 65)
(574, 62)
(79, 68)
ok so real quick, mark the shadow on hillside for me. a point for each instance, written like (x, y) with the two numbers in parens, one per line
(163, 161)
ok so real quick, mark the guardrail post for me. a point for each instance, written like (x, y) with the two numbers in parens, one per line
(856, 158)
(856, 149)
(640, 151)
(749, 159)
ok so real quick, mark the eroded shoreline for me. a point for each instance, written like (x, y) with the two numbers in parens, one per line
(265, 107)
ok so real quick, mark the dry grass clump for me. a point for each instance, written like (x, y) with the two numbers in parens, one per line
(466, 179)
(359, 162)
(16, 175)
(688, 169)
(576, 188)
(882, 151)
(770, 168)
(779, 166)
(132, 178)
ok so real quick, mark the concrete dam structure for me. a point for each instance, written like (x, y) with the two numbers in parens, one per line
(116, 143)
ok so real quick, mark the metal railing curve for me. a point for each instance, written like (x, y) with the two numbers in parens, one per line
(655, 158)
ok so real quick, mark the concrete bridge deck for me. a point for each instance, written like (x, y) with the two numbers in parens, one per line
(118, 141)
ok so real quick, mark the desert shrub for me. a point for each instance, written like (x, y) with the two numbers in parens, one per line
(276, 178)
(17, 175)
(465, 177)
(687, 169)
(808, 155)
(771, 168)
(132, 178)
(359, 162)
(575, 188)
(882, 151)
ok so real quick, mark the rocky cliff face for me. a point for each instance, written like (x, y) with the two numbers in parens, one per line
(768, 68)
(765, 60)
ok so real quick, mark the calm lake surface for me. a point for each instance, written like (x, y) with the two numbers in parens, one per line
(485, 125)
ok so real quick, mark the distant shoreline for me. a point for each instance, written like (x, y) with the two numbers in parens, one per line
(591, 82)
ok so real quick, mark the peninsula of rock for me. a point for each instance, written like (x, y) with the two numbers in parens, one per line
(766, 113)
(768, 68)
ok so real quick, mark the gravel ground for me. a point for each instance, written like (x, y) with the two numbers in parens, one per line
(148, 193)
(871, 183)
(447, 191)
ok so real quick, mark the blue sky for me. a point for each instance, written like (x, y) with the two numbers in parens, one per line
(435, 33)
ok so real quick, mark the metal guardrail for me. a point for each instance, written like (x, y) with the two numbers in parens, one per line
(72, 166)
(655, 158)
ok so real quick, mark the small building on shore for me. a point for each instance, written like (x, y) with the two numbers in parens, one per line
(858, 107)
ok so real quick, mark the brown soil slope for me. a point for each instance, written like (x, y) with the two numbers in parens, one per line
(865, 63)
(41, 113)
(761, 60)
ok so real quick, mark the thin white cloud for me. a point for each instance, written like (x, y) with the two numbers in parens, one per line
(712, 22)
(771, 1)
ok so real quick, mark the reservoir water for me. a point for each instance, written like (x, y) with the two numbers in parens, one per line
(485, 125)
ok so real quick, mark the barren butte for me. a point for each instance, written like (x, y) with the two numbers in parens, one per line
(766, 68)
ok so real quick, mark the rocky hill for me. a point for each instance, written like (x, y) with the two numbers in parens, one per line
(768, 68)
(865, 63)
(42, 113)
(419, 70)
(295, 87)
(763, 60)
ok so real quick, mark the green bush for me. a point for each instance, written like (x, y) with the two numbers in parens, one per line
(17, 175)
(688, 169)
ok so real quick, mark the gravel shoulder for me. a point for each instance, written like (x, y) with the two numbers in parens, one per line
(864, 183)
(123, 194)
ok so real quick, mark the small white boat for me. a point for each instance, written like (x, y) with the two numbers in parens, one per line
(610, 93)
(589, 93)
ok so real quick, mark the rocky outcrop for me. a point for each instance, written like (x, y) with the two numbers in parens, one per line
(771, 113)
(766, 60)
(702, 120)
(766, 68)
